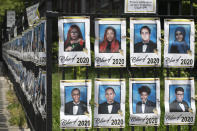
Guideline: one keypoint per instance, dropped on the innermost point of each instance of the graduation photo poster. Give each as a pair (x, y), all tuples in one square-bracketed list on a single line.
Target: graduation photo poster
[(42, 42), (74, 41), (109, 109), (110, 42), (25, 45), (145, 44), (144, 101), (32, 14), (35, 43), (179, 43), (42, 94), (75, 111), (140, 6), (29, 40), (179, 101)]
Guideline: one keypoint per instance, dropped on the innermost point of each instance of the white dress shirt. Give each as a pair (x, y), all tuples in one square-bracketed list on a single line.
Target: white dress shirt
[(182, 106), (143, 107), (110, 108), (144, 47), (75, 108)]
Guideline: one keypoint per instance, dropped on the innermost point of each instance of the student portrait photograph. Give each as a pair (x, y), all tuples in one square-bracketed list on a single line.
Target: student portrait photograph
[(75, 100), (74, 36), (179, 99), (42, 37), (35, 39), (143, 97), (109, 38), (145, 38), (109, 99), (179, 38)]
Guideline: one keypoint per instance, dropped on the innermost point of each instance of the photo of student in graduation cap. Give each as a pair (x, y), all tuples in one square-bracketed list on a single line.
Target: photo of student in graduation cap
[(76, 104), (110, 103), (181, 101), (145, 38), (179, 39)]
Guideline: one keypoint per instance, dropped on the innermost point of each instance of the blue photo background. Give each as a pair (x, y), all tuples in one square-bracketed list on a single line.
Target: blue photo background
[(136, 96), (101, 96), (83, 93), (102, 28), (153, 35), (36, 29), (187, 93), (29, 37), (43, 82), (66, 27), (42, 28), (172, 38), (24, 41)]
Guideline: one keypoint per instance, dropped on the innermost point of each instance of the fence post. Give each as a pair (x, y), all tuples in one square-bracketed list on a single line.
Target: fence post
[(49, 67)]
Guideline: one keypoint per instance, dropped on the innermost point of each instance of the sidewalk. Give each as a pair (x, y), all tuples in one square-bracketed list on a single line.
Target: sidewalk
[(4, 114)]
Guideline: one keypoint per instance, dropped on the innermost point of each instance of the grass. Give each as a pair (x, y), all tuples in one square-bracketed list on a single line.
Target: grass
[(92, 73), (17, 116)]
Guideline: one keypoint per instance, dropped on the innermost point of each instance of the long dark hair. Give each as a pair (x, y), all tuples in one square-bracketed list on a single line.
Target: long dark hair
[(105, 35), (114, 44), (69, 33)]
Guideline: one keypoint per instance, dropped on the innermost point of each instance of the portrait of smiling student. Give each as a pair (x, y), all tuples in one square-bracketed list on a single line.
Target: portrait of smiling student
[(110, 106), (75, 107), (179, 105), (146, 45), (145, 105), (109, 44), (179, 45)]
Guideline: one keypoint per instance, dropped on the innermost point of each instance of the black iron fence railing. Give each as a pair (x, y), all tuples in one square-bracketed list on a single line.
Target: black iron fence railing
[(94, 9)]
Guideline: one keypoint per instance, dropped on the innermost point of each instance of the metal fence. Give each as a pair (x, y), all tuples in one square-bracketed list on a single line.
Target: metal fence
[(93, 8), (113, 9), (35, 120)]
